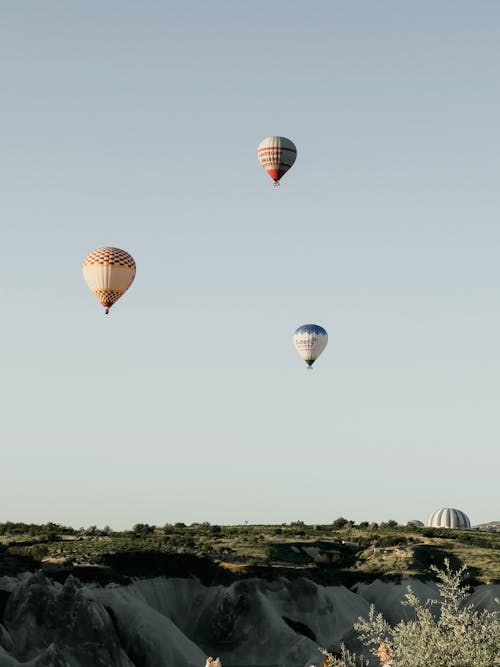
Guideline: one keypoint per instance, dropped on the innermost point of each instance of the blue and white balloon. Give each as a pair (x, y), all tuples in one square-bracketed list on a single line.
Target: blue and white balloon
[(310, 340)]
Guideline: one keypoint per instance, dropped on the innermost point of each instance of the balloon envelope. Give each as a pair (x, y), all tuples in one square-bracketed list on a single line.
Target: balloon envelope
[(277, 155), (310, 340), (109, 272)]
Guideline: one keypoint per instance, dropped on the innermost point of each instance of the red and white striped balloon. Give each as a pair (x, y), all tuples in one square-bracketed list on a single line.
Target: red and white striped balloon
[(277, 155)]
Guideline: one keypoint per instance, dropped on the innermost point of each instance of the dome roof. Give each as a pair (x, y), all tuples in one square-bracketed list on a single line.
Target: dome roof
[(448, 517), (414, 522)]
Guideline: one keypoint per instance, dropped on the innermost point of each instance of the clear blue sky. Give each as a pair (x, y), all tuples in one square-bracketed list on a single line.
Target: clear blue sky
[(136, 125)]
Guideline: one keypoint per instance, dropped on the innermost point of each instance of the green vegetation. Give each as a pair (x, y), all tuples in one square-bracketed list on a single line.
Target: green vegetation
[(340, 552), (440, 632)]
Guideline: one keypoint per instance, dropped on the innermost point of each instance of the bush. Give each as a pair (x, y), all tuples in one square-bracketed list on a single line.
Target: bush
[(346, 659), (143, 529), (38, 551), (443, 632)]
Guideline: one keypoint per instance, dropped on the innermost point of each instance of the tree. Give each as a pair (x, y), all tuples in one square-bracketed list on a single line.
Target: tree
[(38, 551), (143, 529), (443, 632)]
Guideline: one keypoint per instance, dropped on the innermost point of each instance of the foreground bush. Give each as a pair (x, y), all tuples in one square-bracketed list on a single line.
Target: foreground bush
[(444, 632)]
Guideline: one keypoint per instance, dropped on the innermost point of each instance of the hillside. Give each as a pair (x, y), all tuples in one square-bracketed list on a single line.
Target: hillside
[(490, 526), (339, 553)]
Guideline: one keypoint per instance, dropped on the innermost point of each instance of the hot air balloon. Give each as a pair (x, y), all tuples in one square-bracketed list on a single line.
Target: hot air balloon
[(310, 340), (109, 272), (277, 155)]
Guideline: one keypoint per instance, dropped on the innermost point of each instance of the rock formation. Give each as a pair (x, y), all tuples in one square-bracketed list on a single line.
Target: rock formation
[(172, 622)]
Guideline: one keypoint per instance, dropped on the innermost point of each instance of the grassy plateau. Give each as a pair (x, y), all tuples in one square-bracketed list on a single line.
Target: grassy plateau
[(341, 552)]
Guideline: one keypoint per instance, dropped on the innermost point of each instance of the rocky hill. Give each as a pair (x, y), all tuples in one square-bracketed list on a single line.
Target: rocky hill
[(177, 622), (260, 595)]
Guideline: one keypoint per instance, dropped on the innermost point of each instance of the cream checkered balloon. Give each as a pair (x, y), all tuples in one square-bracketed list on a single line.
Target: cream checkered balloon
[(109, 272)]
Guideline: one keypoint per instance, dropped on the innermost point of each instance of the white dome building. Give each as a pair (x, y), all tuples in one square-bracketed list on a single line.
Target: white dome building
[(448, 517), (415, 522)]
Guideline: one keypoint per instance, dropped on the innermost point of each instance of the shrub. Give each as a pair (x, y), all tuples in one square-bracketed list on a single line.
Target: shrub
[(391, 540), (143, 529), (38, 551), (346, 659), (443, 632)]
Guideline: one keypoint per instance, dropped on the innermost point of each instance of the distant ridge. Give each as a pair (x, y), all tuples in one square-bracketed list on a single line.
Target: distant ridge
[(491, 525)]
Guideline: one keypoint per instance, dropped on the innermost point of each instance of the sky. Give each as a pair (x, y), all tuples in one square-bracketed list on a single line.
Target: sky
[(136, 125)]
